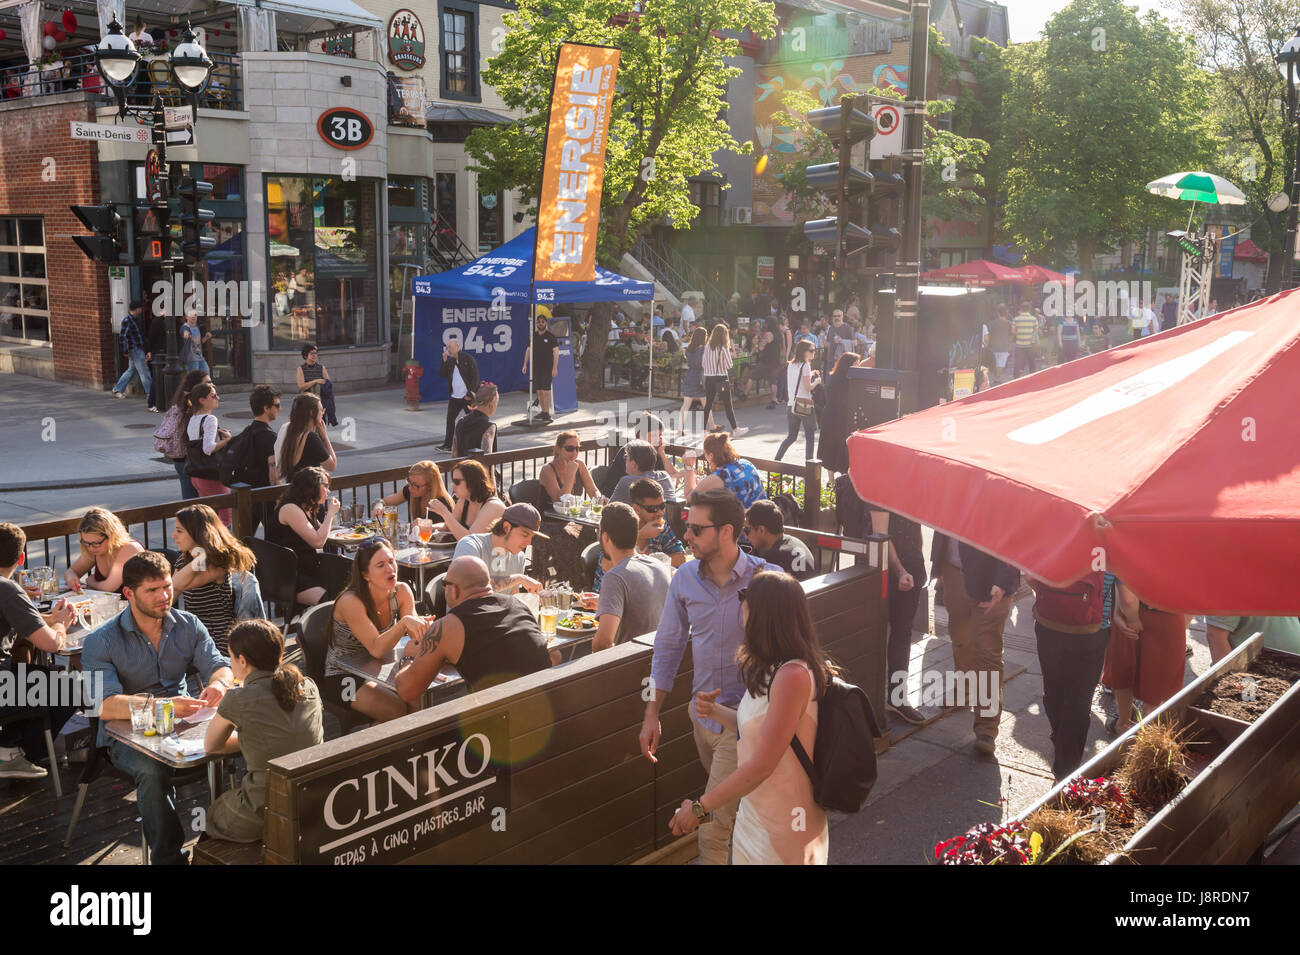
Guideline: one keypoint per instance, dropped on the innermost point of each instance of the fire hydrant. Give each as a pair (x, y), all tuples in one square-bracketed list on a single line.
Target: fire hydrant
[(413, 374)]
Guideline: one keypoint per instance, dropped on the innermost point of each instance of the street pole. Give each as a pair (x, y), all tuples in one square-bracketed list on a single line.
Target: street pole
[(907, 278), (1288, 263), (172, 370)]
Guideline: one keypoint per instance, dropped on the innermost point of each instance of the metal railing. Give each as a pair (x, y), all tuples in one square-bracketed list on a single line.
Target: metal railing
[(446, 248), (48, 541), (675, 273), (72, 73)]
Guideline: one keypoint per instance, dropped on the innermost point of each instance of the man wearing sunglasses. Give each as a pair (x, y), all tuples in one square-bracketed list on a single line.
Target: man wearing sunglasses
[(653, 536), (703, 607)]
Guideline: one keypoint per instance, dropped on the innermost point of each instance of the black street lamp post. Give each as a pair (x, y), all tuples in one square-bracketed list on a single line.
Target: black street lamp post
[(118, 62), (1288, 62)]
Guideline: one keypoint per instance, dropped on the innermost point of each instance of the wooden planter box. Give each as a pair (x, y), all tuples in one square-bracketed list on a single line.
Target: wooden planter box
[(1251, 781)]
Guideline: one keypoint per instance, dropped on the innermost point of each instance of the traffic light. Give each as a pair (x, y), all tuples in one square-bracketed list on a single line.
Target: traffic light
[(194, 244), (109, 242), (846, 125), (883, 214), (152, 235)]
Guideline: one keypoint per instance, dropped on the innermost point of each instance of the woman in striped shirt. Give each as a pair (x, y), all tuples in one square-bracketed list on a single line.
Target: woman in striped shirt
[(717, 372), (209, 555)]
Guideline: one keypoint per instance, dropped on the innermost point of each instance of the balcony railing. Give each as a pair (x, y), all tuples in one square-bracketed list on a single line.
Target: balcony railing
[(73, 73)]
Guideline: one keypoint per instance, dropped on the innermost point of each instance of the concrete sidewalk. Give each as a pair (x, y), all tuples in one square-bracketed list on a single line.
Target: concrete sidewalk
[(933, 785)]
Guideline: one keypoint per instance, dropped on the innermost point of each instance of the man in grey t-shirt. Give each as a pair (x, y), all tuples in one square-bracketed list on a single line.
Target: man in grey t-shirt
[(502, 548), (633, 591)]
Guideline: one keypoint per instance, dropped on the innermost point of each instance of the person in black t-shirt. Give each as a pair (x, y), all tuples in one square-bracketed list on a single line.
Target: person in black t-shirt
[(545, 356), (475, 429), (21, 622), (765, 528), (490, 638), (259, 456)]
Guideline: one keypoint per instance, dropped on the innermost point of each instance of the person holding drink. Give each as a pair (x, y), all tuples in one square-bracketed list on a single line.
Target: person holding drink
[(502, 548), (298, 525), (475, 506), (423, 487), (370, 617)]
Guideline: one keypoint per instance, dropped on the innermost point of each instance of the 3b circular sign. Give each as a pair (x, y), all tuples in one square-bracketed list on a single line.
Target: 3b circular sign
[(345, 128)]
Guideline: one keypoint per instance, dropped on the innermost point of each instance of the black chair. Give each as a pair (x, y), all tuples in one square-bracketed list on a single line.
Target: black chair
[(333, 570), (598, 474), (804, 558), (171, 553), (315, 646), (530, 491), (12, 715), (435, 594), (98, 763), (277, 576), (591, 556)]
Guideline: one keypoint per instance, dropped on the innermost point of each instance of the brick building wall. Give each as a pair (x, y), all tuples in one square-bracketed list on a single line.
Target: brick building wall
[(34, 132)]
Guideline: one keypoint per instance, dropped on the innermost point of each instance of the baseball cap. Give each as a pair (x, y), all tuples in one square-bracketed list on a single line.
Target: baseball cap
[(525, 515)]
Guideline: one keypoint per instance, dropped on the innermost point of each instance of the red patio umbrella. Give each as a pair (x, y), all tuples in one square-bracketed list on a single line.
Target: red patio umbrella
[(1174, 459), (980, 272), (1038, 275)]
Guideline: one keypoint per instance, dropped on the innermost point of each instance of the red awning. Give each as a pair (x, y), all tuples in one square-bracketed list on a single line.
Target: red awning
[(1248, 251), (1174, 459), (980, 272), (1038, 275)]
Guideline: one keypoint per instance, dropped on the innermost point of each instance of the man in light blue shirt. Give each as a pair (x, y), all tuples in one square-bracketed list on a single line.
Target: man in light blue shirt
[(148, 648), (703, 607)]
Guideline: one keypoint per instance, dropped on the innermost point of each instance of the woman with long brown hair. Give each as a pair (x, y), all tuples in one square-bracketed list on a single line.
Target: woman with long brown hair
[(304, 441), (475, 506), (274, 711), (785, 673), (717, 375), (169, 439), (298, 524), (836, 423), (371, 616), (105, 547), (209, 555), (423, 487)]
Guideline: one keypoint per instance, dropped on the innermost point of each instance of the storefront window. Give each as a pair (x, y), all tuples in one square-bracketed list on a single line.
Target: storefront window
[(227, 181), (323, 261), (24, 304), (445, 185), (403, 192)]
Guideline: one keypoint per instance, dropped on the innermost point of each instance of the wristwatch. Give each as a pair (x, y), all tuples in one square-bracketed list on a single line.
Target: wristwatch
[(698, 809)]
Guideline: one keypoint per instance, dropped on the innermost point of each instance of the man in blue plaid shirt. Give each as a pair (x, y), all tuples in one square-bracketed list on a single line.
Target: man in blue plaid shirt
[(136, 351)]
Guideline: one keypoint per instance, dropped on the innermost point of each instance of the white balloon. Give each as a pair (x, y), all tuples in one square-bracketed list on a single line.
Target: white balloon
[(49, 43)]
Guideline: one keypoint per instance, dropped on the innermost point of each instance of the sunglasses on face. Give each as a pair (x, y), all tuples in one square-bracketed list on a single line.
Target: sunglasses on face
[(653, 508), (572, 448), (698, 529), (457, 481)]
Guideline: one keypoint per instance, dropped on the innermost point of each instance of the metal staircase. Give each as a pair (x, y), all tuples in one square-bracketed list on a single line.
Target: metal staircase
[(446, 249), (675, 273)]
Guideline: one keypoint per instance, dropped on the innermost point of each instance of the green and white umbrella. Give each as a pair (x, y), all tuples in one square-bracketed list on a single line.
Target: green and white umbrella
[(1198, 187)]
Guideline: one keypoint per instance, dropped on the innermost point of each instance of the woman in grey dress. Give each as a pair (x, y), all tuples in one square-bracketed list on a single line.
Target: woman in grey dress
[(276, 711)]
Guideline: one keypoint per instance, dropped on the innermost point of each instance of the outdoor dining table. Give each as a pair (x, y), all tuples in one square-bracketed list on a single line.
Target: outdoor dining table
[(152, 746)]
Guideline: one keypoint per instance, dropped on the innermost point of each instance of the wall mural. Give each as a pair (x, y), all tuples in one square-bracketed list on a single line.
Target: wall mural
[(827, 80)]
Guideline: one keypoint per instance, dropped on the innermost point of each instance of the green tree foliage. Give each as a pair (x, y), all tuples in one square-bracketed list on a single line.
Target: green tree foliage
[(1095, 110), (1238, 42), (668, 119)]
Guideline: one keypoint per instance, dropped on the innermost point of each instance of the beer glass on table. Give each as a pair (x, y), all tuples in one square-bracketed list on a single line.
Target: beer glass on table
[(547, 614)]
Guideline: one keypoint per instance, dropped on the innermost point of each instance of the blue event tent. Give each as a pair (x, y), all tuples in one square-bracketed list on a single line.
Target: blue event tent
[(486, 305)]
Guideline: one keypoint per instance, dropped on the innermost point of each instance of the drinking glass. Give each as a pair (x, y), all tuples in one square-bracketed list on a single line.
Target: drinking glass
[(141, 713), (547, 614), (347, 515), (424, 527), (28, 580), (49, 581)]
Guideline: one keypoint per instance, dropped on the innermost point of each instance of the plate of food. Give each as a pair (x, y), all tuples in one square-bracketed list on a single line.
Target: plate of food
[(577, 622), (357, 534)]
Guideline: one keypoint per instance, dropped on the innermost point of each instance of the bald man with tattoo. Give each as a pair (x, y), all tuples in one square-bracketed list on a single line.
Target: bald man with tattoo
[(489, 637)]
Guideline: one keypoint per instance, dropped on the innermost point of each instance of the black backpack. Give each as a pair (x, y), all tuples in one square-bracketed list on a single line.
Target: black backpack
[(235, 462), (845, 768)]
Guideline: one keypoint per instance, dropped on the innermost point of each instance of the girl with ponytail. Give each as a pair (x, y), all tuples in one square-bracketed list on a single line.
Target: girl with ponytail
[(276, 711)]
